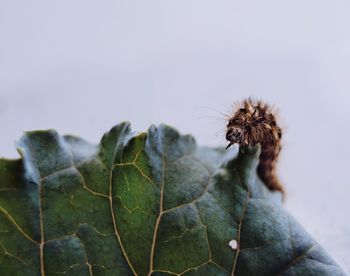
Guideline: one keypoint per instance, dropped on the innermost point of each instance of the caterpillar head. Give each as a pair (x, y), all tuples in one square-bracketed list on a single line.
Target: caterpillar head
[(234, 135), (253, 122)]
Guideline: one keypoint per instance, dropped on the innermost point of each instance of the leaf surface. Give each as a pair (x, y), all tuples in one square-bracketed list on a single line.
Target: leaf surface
[(152, 203)]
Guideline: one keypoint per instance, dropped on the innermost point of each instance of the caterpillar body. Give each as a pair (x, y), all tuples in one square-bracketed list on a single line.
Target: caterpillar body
[(254, 122)]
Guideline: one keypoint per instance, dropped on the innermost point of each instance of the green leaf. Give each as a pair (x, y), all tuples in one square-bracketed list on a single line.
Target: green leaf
[(145, 204)]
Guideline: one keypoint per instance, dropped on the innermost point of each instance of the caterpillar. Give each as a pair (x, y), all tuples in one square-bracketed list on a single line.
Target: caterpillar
[(254, 122)]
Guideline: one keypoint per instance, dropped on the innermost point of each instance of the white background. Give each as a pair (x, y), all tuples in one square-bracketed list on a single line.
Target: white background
[(83, 66)]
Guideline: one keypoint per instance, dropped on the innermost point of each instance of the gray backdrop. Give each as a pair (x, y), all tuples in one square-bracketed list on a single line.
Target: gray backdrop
[(82, 66)]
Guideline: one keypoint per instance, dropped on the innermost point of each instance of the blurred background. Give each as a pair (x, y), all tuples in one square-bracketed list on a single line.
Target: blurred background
[(81, 67)]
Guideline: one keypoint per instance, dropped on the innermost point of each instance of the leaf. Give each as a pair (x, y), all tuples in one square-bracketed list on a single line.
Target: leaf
[(147, 204)]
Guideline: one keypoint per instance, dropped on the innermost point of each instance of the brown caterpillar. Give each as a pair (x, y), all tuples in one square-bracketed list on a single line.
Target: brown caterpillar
[(254, 122)]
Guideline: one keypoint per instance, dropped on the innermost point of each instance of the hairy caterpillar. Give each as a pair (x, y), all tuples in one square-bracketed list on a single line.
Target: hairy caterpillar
[(254, 122)]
